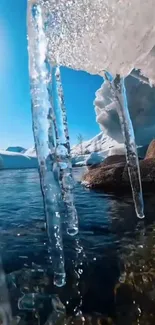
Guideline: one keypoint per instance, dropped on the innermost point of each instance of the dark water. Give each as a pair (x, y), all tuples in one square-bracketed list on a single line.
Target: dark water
[(107, 264)]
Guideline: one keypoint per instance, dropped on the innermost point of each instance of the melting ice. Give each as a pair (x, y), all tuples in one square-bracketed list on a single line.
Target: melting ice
[(52, 145), (94, 36)]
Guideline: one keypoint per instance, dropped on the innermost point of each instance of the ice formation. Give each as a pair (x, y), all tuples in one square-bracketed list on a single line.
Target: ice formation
[(99, 35), (118, 94), (141, 105), (63, 155), (52, 144), (94, 36)]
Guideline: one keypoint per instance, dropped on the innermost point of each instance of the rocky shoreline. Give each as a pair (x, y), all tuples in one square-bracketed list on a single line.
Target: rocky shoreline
[(112, 174)]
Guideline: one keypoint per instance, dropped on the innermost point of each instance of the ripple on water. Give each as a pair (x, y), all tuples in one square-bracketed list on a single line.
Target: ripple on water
[(112, 245)]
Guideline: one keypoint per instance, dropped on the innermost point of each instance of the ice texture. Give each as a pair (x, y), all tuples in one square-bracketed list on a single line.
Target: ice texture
[(99, 35), (141, 106), (118, 93), (45, 146), (63, 154)]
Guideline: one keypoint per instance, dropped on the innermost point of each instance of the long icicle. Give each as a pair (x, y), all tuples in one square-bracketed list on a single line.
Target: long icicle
[(119, 94), (44, 142), (59, 116), (63, 155)]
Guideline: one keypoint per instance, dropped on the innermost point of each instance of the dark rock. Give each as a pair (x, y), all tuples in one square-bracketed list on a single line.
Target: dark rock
[(115, 176), (109, 161), (94, 166), (105, 176), (114, 159)]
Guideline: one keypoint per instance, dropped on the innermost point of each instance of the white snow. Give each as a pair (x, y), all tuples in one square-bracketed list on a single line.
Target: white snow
[(115, 35), (30, 152), (100, 142), (105, 145), (141, 104), (95, 150)]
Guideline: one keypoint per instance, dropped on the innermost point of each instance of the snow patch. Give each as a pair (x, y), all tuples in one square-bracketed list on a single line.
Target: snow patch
[(141, 105), (100, 142)]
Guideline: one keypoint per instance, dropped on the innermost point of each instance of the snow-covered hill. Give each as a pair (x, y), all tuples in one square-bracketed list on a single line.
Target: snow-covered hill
[(100, 143), (93, 151), (98, 148)]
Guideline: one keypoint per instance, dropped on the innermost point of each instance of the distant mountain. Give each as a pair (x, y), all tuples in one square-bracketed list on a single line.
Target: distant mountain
[(93, 151), (100, 143), (96, 149)]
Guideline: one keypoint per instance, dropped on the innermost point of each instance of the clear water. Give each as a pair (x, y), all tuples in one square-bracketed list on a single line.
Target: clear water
[(112, 244)]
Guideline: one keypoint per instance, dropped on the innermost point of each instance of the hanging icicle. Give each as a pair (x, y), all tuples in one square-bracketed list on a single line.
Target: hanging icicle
[(119, 95), (63, 155), (45, 143)]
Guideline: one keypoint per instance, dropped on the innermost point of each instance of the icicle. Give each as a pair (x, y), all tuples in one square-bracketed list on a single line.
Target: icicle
[(119, 94), (59, 117), (63, 154), (44, 141)]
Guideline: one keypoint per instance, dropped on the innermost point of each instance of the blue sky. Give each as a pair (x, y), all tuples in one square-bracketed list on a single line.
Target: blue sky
[(15, 117)]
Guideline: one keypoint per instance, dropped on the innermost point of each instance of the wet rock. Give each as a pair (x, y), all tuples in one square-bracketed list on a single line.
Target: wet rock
[(94, 166), (104, 177), (114, 176), (111, 160), (151, 150), (114, 160)]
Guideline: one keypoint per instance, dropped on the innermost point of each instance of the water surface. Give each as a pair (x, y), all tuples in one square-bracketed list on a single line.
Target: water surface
[(111, 241)]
